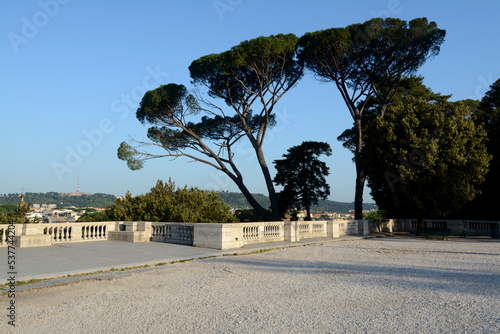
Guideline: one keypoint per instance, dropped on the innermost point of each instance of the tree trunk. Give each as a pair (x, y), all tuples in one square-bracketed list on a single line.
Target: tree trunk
[(307, 204), (251, 200), (360, 172), (275, 212), (308, 210)]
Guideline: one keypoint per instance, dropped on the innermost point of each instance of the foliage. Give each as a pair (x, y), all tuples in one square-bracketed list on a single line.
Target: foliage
[(375, 215), (8, 208), (369, 59), (303, 176), (95, 216), (250, 78), (248, 215), (488, 115), (166, 203), (16, 216), (424, 158), (409, 86)]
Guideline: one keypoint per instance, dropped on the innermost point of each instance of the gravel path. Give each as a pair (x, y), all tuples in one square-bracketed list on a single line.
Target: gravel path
[(387, 285)]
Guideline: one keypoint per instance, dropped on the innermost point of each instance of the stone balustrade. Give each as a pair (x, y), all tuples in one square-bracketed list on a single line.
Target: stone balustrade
[(33, 235), (223, 236), (457, 227), (176, 233)]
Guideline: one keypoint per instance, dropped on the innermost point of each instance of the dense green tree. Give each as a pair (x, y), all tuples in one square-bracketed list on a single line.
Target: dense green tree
[(16, 214), (248, 215), (8, 208), (374, 215), (488, 114), (250, 79), (95, 216), (166, 203), (369, 59), (303, 175), (425, 158), (409, 86)]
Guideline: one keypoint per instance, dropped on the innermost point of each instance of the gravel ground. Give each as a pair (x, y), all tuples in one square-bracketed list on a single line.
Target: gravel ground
[(386, 285)]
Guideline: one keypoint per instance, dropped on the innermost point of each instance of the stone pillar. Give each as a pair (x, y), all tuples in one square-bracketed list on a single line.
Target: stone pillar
[(363, 227), (130, 226), (390, 226), (291, 231), (335, 229), (30, 235)]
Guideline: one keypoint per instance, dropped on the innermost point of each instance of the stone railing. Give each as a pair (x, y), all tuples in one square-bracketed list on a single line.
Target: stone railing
[(219, 236), (457, 227), (176, 233), (223, 236), (33, 235), (241, 234), (36, 235)]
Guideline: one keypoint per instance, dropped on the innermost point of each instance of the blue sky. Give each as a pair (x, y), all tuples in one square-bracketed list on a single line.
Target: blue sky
[(72, 73)]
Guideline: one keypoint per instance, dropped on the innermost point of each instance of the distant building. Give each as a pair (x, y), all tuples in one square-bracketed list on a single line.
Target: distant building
[(77, 192), (22, 203), (59, 216)]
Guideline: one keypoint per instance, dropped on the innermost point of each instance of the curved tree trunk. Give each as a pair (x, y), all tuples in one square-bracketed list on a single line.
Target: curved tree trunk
[(249, 197), (275, 212)]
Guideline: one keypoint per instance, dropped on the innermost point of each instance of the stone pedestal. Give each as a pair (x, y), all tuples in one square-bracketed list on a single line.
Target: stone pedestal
[(292, 231)]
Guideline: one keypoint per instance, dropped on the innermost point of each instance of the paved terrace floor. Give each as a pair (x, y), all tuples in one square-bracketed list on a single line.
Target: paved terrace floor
[(86, 257)]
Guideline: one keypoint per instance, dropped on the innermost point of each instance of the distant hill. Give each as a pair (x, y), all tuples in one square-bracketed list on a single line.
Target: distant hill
[(83, 201), (238, 201), (233, 199)]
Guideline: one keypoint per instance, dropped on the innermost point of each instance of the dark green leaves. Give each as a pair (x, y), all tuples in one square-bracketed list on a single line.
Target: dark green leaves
[(166, 203), (374, 52), (424, 158), (303, 175), (129, 154), (166, 104), (255, 67)]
